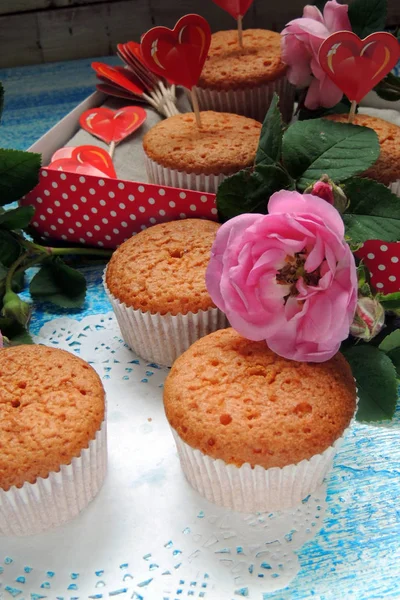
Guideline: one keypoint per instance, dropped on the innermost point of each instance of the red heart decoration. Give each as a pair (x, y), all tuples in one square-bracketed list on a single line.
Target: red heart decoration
[(355, 65), (111, 90), (110, 125), (89, 160), (178, 54), (236, 8), (118, 75), (70, 165)]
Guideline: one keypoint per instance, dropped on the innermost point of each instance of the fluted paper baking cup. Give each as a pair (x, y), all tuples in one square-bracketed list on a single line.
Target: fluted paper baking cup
[(51, 501), (250, 102), (254, 489), (160, 175), (162, 338), (395, 187)]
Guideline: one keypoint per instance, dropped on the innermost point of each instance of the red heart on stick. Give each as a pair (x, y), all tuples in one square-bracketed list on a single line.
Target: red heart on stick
[(88, 160), (119, 76), (355, 65), (236, 8), (110, 125), (178, 54)]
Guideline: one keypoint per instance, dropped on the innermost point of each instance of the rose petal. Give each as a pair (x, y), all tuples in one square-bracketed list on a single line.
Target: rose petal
[(306, 204)]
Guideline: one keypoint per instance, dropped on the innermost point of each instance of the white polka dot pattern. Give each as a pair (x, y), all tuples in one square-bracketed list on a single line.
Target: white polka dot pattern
[(105, 212), (383, 262)]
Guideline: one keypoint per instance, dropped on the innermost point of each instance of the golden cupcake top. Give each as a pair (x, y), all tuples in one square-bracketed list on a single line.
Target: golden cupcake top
[(235, 399), (162, 269), (228, 66), (226, 143), (386, 169), (51, 406)]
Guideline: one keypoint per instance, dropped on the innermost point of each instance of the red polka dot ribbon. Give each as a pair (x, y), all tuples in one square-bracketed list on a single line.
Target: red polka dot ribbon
[(383, 262), (106, 212)]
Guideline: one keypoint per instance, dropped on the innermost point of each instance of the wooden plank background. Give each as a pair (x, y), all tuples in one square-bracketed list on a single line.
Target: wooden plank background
[(36, 31)]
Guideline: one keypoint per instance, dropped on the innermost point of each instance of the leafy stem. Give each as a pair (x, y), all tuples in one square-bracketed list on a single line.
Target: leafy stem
[(50, 251), (12, 270)]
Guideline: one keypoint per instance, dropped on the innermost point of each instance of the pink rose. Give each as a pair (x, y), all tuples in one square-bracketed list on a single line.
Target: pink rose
[(287, 277), (301, 40)]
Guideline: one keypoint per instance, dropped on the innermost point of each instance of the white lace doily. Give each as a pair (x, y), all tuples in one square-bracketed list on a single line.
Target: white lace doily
[(148, 535)]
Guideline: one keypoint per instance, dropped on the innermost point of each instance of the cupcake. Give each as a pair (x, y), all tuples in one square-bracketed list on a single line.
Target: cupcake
[(156, 285), (52, 438), (256, 432), (386, 169), (244, 80), (179, 154)]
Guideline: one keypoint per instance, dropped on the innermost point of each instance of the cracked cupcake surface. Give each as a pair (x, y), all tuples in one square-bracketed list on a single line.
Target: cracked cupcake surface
[(52, 404), (235, 399), (162, 269)]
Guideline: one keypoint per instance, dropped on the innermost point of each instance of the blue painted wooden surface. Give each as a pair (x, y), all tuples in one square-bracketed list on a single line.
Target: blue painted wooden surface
[(357, 552)]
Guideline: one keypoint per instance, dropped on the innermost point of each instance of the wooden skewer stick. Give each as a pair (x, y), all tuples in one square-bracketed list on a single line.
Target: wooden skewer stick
[(352, 111), (240, 30), (111, 150), (196, 108)]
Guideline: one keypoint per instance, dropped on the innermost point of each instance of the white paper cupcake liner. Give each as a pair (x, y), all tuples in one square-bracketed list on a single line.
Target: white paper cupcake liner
[(251, 490), (395, 187), (249, 102), (162, 338), (61, 496), (160, 175)]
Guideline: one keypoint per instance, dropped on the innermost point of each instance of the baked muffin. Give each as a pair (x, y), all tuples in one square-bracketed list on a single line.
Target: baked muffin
[(243, 80), (156, 285), (255, 431), (52, 437), (179, 154), (386, 170)]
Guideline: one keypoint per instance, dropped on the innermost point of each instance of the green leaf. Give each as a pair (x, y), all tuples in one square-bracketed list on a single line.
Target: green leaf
[(19, 173), (1, 100), (373, 213), (390, 301), (60, 284), (394, 356), (342, 107), (10, 248), (270, 144), (17, 218), (341, 150), (376, 381), (389, 88), (391, 341), (15, 332), (367, 16), (368, 197), (247, 192), (361, 228)]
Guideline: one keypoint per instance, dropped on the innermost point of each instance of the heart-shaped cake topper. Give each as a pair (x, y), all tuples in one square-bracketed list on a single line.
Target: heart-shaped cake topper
[(356, 65), (236, 8), (178, 54), (118, 76), (87, 160), (110, 125)]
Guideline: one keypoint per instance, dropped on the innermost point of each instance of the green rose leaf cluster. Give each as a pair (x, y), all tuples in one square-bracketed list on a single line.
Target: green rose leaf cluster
[(295, 158)]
